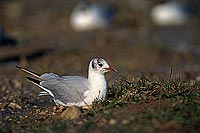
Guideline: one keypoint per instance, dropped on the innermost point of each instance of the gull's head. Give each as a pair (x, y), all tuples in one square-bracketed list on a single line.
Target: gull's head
[(100, 66)]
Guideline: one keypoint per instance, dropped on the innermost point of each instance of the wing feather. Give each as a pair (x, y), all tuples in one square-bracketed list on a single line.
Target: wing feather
[(67, 89)]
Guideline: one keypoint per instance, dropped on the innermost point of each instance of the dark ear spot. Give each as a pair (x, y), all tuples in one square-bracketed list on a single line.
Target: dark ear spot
[(93, 64)]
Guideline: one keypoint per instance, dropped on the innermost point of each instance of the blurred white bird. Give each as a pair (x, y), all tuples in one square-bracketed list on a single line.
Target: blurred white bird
[(89, 16), (74, 90), (172, 13)]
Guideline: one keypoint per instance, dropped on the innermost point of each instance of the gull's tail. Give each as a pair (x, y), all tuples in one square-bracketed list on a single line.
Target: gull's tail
[(29, 72), (37, 83)]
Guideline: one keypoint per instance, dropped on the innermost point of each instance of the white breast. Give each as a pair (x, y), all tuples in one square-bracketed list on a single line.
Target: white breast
[(98, 88)]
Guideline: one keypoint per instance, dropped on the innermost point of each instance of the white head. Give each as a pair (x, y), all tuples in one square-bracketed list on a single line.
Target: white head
[(100, 66)]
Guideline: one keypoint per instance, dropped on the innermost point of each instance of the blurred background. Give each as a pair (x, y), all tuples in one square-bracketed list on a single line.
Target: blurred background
[(135, 36)]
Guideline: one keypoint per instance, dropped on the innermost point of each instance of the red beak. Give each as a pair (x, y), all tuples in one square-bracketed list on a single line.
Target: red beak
[(111, 69)]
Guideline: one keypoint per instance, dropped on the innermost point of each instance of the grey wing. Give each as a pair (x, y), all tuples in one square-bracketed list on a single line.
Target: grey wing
[(67, 89)]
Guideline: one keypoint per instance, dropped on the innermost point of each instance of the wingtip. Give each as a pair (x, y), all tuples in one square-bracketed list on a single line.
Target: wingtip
[(18, 67), (29, 71), (29, 78), (33, 80)]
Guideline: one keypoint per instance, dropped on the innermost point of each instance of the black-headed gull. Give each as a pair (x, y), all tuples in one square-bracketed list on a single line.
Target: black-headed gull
[(74, 90), (89, 16)]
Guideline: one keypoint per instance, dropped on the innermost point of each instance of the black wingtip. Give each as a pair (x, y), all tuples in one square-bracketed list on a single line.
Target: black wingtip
[(29, 71), (33, 80), (18, 67)]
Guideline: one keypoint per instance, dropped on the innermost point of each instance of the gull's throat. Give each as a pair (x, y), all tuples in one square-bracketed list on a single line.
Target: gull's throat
[(98, 85)]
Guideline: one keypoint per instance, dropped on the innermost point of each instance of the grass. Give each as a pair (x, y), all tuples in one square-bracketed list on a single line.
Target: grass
[(144, 89), (172, 100), (142, 104)]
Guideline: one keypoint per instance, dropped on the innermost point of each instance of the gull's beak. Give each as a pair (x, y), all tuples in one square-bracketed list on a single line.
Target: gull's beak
[(111, 69)]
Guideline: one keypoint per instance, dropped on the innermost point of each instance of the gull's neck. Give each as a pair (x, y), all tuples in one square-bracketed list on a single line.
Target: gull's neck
[(97, 80), (98, 86)]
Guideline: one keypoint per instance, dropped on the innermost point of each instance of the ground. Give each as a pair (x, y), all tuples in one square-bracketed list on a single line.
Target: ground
[(156, 88)]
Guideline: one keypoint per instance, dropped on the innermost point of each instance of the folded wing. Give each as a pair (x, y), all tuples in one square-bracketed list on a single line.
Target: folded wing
[(67, 89)]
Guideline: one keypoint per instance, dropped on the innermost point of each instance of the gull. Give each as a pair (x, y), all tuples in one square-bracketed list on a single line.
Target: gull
[(173, 13), (74, 90), (89, 16)]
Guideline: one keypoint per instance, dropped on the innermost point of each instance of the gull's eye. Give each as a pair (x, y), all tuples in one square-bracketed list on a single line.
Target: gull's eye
[(100, 64)]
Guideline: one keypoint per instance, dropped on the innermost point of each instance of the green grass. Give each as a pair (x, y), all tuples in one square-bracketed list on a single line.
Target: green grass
[(144, 89)]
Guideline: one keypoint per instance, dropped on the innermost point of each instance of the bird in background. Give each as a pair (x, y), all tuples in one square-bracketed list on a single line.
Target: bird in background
[(89, 16), (173, 13), (74, 90)]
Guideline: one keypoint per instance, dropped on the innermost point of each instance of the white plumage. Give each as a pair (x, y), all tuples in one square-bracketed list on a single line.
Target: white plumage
[(169, 13), (89, 16)]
